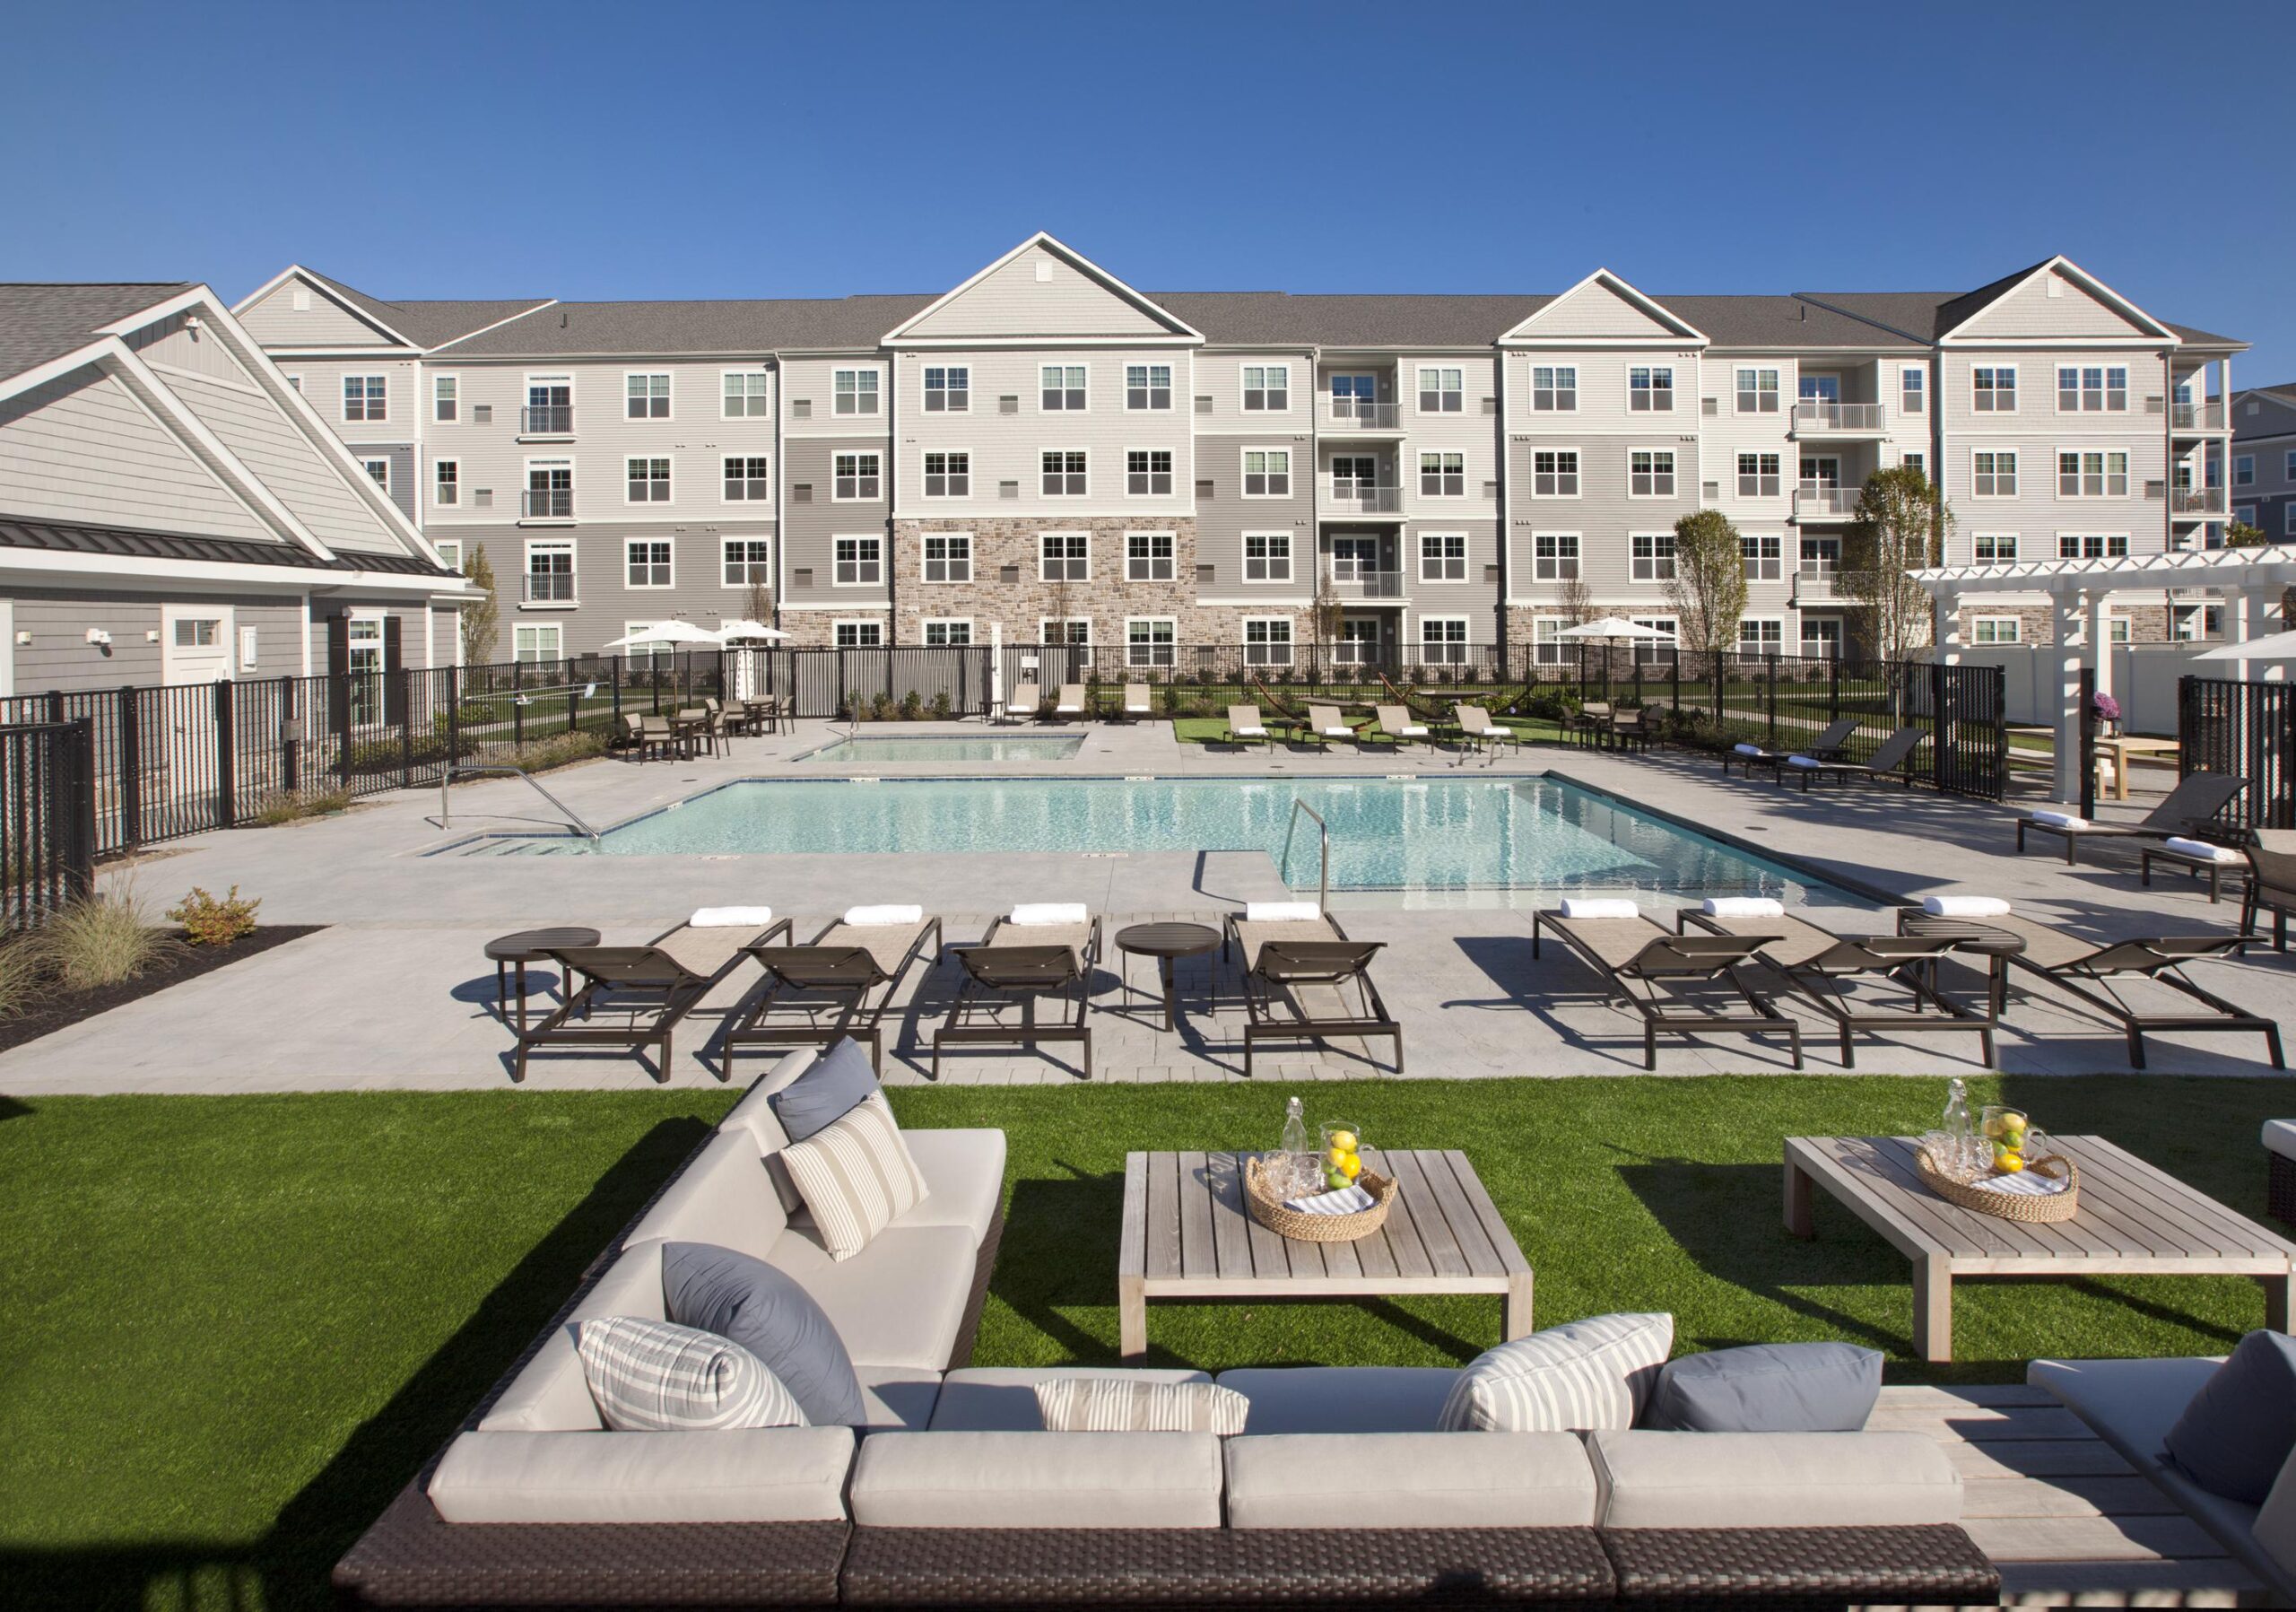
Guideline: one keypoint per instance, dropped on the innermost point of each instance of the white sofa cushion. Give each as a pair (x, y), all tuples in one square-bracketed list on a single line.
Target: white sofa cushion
[(1410, 1480), (1652, 1479), (899, 1301), (964, 1178), (856, 1175), (2280, 1137), (552, 1395), (1003, 1398), (1104, 1480), (725, 1197), (761, 1475), (1342, 1398), (896, 1398)]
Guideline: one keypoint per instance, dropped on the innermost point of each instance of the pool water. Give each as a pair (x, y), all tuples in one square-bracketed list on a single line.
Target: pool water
[(861, 751), (1412, 835)]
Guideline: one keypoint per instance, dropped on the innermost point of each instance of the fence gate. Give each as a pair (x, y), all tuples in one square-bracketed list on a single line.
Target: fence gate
[(2248, 730), (48, 819)]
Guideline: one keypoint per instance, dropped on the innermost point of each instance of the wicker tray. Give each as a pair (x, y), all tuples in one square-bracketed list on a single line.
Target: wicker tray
[(1268, 1208), (2008, 1206)]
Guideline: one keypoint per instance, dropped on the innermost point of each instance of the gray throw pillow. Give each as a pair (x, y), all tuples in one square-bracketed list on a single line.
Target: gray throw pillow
[(833, 1086), (762, 1309), (1768, 1387), (2237, 1432)]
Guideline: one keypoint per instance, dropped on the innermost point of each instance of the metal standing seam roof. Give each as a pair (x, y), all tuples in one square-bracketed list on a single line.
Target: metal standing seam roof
[(131, 543), (41, 320)]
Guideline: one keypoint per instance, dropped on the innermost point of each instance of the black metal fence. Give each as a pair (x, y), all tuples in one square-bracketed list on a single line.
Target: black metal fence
[(47, 841), (2247, 729)]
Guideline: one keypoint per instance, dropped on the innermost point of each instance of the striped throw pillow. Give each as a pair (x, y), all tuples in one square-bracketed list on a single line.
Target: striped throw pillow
[(855, 1176), (1127, 1405), (650, 1376), (1595, 1373)]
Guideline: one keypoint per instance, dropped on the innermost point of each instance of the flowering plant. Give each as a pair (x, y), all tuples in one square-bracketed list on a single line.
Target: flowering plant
[(2106, 708)]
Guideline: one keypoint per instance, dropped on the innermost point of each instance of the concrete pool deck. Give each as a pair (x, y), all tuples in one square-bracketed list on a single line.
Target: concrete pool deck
[(395, 994)]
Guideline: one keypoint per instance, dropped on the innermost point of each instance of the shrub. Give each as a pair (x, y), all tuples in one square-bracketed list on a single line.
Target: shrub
[(940, 705), (207, 922), (912, 709), (881, 709), (21, 975), (99, 941), (308, 803), (558, 751)]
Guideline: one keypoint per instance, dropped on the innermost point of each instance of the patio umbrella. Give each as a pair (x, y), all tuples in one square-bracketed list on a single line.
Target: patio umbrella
[(740, 631), (2277, 646), (1612, 627), (667, 632)]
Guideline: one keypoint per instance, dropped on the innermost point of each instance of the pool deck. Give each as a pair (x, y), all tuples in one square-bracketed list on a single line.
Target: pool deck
[(395, 994)]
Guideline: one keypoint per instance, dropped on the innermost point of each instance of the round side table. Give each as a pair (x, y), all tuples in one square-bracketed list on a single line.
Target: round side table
[(528, 946), (1166, 943)]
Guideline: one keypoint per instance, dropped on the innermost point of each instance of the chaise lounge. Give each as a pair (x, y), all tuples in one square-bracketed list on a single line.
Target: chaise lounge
[(1825, 747), (1888, 756), (2186, 812), (1039, 953), (1648, 968), (1304, 980), (629, 998), (838, 986)]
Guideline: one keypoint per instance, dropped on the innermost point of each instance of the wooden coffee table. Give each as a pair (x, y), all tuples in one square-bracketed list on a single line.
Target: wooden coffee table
[(1187, 1235), (2133, 1220)]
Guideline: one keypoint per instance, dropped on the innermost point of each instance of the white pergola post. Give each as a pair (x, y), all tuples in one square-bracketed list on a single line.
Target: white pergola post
[(1945, 608), (2069, 655), (2101, 638)]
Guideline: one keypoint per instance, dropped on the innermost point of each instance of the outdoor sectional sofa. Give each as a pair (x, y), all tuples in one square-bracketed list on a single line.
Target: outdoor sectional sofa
[(952, 1496)]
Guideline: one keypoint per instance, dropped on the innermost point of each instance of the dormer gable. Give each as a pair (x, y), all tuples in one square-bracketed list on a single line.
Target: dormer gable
[(2053, 301), (298, 308), (1042, 293), (1602, 311)]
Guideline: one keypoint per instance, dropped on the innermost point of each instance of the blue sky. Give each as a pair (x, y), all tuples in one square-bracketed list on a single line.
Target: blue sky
[(720, 150)]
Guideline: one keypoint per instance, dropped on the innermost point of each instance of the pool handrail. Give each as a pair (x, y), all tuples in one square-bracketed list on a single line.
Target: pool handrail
[(458, 769), (1323, 874)]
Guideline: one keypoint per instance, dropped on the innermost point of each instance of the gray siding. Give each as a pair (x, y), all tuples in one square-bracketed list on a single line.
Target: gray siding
[(275, 321), (172, 343), (810, 527), (1603, 515), (1012, 301), (82, 448), (60, 657), (1595, 310), (400, 456), (309, 483), (1224, 514)]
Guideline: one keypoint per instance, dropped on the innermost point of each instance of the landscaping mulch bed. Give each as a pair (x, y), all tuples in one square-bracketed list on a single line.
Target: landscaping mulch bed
[(65, 1008)]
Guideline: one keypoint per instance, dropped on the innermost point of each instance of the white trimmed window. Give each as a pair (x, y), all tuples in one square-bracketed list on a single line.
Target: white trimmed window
[(1442, 391), (1912, 460), (646, 397), (855, 477), (1765, 557), (2092, 389), (948, 474), (1149, 641), (1554, 556), (748, 479), (948, 389), (642, 656), (1763, 636), (1653, 556), (1554, 388), (1267, 473), (379, 471), (1148, 557), (1443, 640), (535, 642), (744, 395), (2244, 470), (451, 552), (445, 483), (1147, 471), (853, 391), (1994, 548), (1548, 644), (1993, 476), (947, 557), (859, 635), (646, 562), (1074, 631), (2287, 518), (1066, 473), (1759, 475), (746, 560), (1064, 557), (2092, 474), (2092, 545), (947, 634), (650, 480), (1267, 388), (1554, 473), (1442, 476), (1650, 389), (1148, 386), (1267, 556), (1442, 557), (365, 397), (1268, 640), (1821, 556), (446, 397), (1650, 473), (1913, 390), (860, 561), (1061, 388), (1757, 391), (550, 572), (1996, 630), (1993, 389)]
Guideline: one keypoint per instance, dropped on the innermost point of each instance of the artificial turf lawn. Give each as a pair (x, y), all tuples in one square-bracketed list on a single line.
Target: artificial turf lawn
[(236, 1326)]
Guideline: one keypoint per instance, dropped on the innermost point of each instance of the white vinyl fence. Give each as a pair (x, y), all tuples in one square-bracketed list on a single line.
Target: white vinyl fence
[(2143, 680)]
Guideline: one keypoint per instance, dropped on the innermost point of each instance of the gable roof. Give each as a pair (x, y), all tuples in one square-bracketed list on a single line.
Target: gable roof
[(427, 324), (41, 320), (765, 324), (1603, 279), (1932, 316), (1766, 321), (1343, 320), (1043, 240)]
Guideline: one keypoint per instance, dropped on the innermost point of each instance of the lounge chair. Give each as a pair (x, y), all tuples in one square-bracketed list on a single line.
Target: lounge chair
[(1026, 704), (1139, 702), (1821, 966), (1646, 966), (2196, 857), (1245, 725), (1304, 980), (1401, 726), (1825, 747), (1072, 701), (1889, 755), (643, 992), (2271, 883), (838, 985), (1036, 953), (1479, 732), (1327, 725), (2086, 969), (2186, 811)]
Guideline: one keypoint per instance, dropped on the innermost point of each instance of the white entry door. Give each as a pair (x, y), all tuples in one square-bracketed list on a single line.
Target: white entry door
[(195, 643)]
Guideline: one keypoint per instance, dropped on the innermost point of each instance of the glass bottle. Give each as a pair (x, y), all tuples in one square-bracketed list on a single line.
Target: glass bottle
[(1962, 1137), (1293, 1170)]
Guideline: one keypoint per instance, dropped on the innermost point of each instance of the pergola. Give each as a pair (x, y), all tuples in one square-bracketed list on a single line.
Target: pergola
[(2249, 580)]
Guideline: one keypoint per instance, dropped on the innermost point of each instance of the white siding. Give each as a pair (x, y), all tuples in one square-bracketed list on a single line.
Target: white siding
[(288, 463), (1012, 301), (2030, 311), (276, 322), (82, 448)]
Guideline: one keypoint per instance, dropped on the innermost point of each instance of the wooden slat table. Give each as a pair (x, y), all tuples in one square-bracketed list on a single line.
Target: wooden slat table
[(1186, 1235), (2133, 1220)]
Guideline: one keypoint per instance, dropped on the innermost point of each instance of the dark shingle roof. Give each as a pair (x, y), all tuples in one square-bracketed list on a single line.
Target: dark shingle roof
[(41, 321), (127, 542), (2202, 338), (1276, 317), (1760, 321), (428, 323), (740, 325)]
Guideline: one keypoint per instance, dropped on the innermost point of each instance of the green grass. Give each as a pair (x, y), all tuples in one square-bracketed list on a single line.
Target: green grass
[(238, 1325)]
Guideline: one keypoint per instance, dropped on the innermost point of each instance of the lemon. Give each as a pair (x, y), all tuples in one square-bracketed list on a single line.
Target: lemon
[(2010, 1163), (1338, 1156), (1343, 1141), (1352, 1167)]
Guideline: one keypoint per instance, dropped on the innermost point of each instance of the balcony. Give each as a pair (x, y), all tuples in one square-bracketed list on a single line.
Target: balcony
[(1814, 417), (2196, 504), (552, 419), (1817, 502), (1355, 583), (1815, 586), (1349, 495), (1355, 416), (2197, 417), (549, 588), (547, 503)]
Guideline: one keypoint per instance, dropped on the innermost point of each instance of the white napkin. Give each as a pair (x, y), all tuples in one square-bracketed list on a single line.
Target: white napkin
[(1964, 906), (729, 918), (1281, 912), (1747, 749), (1599, 906), (2060, 819), (2025, 1183), (864, 918), (1745, 906), (1803, 761), (1045, 914), (1347, 1200), (2201, 850)]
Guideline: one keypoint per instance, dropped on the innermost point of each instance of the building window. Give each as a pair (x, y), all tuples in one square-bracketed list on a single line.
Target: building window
[(1913, 390), (1442, 391), (1442, 557), (1268, 640), (948, 634), (746, 395), (748, 562), (1554, 556), (1355, 559), (853, 391), (948, 474), (445, 401), (550, 573), (948, 557), (647, 559), (1148, 556), (550, 490), (364, 397), (1821, 556), (2092, 389), (860, 635), (1354, 475), (1443, 640), (1650, 473), (855, 476), (2244, 470), (646, 397), (650, 480), (1993, 474), (1065, 472), (1996, 630), (532, 643), (748, 479), (1650, 389), (1915, 461), (2092, 545), (1994, 548), (1554, 388), (1548, 644), (1442, 476), (2288, 466), (1063, 388), (1765, 560), (451, 552), (1148, 641), (2092, 475), (1267, 473), (1554, 473), (1653, 556), (379, 471), (1148, 472), (550, 406), (1148, 386), (1758, 475), (447, 482), (860, 561), (1267, 556), (1757, 391), (1267, 388), (1760, 637), (1074, 632), (948, 389), (1064, 557), (1993, 389)]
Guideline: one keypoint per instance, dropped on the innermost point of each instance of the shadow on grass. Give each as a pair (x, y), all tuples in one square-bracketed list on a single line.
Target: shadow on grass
[(288, 1566)]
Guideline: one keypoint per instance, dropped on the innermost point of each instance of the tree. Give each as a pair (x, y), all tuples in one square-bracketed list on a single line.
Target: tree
[(1707, 591), (759, 602), (1900, 527), (2241, 535), (482, 617), (1576, 599), (1325, 615)]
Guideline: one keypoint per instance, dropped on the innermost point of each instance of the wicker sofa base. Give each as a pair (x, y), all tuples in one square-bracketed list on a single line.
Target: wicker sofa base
[(1799, 1569), (2280, 1188)]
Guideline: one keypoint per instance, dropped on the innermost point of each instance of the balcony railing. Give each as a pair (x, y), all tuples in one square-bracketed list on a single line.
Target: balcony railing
[(1358, 584), (2196, 500), (550, 587), (547, 503), (1361, 414), (552, 420), (2197, 416), (1815, 416), (1816, 501), (1346, 495), (1816, 587)]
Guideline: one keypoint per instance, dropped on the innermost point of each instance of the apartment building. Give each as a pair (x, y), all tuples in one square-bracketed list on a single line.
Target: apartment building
[(2263, 481), (1045, 453)]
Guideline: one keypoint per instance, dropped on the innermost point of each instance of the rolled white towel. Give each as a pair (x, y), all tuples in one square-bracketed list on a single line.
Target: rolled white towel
[(865, 918), (1599, 906), (1964, 906), (2060, 819), (1338, 733), (1804, 761), (2201, 851), (1250, 733), (729, 918), (1747, 749), (1347, 1200), (1044, 914), (1743, 906), (1411, 732), (1281, 912)]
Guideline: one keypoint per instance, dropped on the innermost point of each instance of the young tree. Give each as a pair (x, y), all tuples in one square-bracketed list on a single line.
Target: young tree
[(1576, 599), (1900, 527), (482, 617), (2241, 535), (1707, 591)]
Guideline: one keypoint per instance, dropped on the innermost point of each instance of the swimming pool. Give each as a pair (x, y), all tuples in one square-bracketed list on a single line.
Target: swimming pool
[(865, 750), (1418, 835)]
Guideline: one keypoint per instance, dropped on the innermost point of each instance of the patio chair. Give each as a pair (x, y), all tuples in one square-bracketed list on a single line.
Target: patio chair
[(1590, 722), (1304, 980), (1479, 732), (1027, 702), (2186, 812), (1033, 955), (1647, 967), (659, 734), (1325, 722), (2086, 970), (1821, 966), (1630, 729), (1139, 702), (1401, 726), (2271, 883), (1245, 725), (1072, 701), (838, 984), (1889, 755), (1825, 747), (645, 991)]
